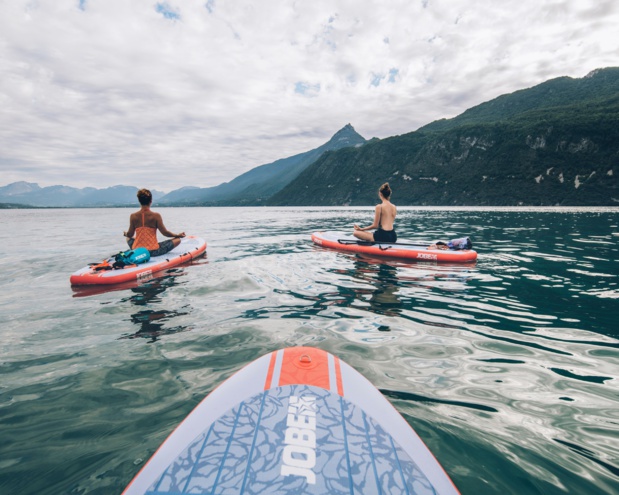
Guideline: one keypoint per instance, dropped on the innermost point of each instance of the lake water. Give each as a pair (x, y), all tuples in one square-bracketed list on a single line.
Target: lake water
[(508, 369)]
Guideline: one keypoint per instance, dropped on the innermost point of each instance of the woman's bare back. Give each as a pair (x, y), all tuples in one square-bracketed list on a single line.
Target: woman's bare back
[(388, 213)]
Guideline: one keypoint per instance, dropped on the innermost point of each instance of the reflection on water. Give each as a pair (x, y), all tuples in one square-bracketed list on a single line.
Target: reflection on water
[(420, 398), (151, 292), (152, 324), (390, 281), (148, 292), (507, 368), (382, 298)]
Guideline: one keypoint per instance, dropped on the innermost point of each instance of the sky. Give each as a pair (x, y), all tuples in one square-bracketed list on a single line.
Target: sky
[(166, 94)]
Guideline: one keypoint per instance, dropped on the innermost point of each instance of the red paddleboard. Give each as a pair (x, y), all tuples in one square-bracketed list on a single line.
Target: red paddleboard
[(401, 249), (189, 248)]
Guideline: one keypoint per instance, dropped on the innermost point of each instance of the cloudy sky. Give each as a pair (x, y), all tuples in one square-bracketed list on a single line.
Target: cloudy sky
[(195, 92)]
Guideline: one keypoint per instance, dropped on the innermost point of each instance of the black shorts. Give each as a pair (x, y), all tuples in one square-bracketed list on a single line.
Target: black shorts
[(385, 236), (164, 247)]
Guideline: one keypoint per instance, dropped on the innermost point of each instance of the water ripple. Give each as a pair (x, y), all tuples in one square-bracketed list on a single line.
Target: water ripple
[(507, 368)]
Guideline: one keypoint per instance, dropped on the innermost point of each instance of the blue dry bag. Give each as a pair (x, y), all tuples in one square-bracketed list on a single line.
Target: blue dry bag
[(131, 257)]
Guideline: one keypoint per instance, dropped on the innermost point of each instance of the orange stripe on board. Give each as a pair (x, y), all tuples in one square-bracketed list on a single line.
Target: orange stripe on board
[(338, 377), (267, 384), (306, 366)]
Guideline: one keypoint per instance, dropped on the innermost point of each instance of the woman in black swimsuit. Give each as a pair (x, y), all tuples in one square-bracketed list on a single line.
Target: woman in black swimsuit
[(384, 216)]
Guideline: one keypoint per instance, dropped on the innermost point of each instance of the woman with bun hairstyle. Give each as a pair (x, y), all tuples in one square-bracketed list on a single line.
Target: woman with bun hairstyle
[(384, 216), (143, 227)]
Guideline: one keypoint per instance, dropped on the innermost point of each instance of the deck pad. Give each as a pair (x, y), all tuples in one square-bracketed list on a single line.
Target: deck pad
[(314, 426)]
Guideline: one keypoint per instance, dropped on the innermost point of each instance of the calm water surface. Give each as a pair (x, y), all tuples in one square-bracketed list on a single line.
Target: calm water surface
[(508, 369)]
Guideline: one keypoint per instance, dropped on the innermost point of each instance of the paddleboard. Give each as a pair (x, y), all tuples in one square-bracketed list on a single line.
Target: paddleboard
[(189, 248), (401, 249), (295, 421)]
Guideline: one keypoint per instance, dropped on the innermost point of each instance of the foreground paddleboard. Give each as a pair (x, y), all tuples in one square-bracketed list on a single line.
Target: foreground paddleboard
[(296, 421), (189, 248), (402, 249)]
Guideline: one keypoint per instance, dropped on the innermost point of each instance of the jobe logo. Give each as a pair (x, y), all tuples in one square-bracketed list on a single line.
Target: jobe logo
[(425, 256), (145, 275), (299, 457)]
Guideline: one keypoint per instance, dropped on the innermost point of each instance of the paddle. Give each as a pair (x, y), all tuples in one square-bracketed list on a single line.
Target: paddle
[(368, 243)]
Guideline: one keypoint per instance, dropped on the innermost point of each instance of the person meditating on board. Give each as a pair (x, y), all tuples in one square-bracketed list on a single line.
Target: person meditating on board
[(384, 217), (144, 225)]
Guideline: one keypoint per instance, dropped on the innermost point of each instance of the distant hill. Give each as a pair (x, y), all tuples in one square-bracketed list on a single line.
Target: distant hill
[(554, 144), (13, 206), (31, 194), (256, 186)]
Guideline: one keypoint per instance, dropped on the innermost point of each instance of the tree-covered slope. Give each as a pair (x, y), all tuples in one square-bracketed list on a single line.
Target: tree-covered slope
[(520, 149), (599, 85)]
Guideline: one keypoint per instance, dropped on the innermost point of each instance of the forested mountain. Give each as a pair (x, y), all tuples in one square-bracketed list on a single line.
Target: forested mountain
[(554, 144), (260, 183)]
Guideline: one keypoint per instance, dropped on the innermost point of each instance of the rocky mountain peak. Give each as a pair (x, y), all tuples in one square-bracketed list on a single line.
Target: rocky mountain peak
[(346, 136)]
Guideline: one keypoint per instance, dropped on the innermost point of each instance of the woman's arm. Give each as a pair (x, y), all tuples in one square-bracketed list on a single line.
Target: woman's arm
[(165, 231), (131, 231), (374, 224)]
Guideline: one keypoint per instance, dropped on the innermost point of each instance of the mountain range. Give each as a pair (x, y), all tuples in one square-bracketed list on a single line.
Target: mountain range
[(251, 188), (556, 143), (31, 194)]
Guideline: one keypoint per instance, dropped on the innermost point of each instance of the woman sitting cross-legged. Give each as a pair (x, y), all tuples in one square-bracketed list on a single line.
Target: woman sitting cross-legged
[(384, 216)]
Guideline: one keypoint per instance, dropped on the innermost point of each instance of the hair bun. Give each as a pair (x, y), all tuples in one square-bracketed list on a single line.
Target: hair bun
[(385, 190)]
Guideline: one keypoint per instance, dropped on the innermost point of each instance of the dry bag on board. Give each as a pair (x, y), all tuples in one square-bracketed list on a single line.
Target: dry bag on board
[(131, 257)]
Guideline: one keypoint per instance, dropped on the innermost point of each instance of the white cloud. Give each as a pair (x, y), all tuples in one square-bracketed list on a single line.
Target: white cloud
[(172, 93)]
